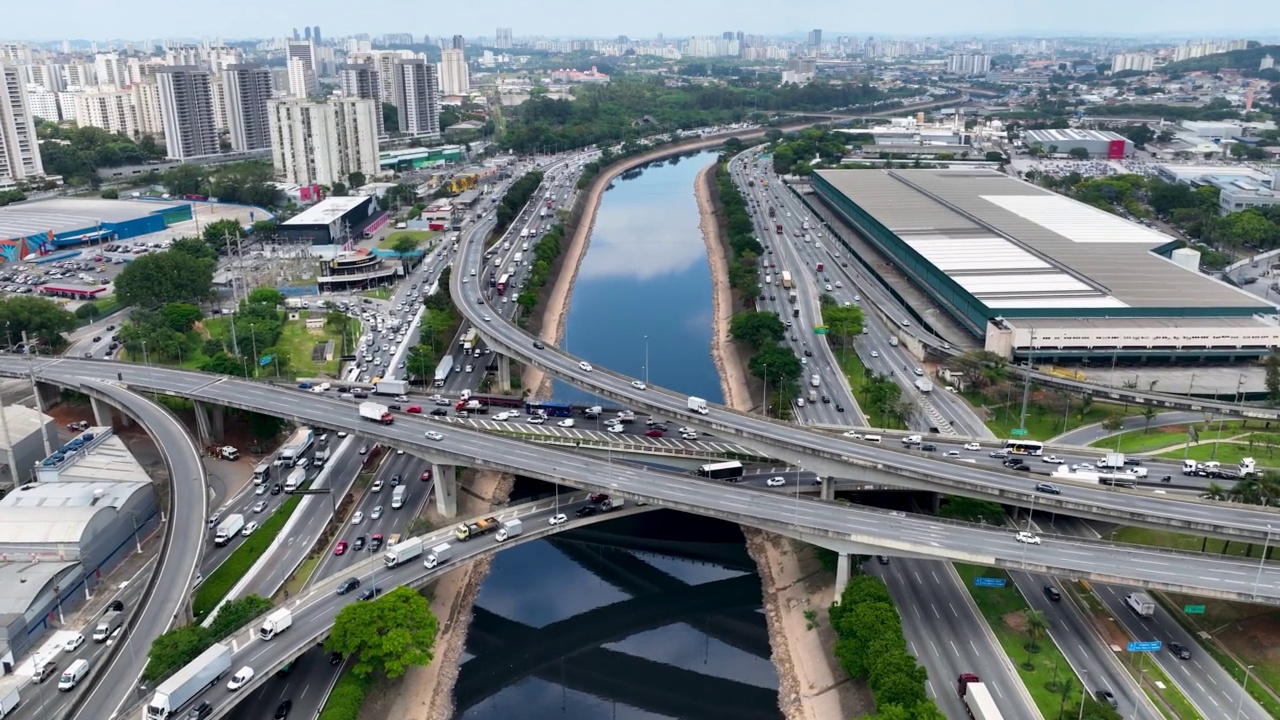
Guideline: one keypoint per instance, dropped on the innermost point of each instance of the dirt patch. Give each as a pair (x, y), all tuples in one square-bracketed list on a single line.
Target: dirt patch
[(1016, 621)]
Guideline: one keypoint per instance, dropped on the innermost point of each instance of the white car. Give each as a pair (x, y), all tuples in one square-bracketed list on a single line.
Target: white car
[(972, 446), (619, 428), (1079, 467), (638, 385), (513, 414), (951, 453), (73, 643), (558, 519), (566, 423), (778, 481), (241, 678), (584, 366), (376, 512), (689, 436), (376, 486), (853, 434), (1027, 537), (536, 420), (1051, 459), (249, 528), (687, 429), (501, 417), (875, 353), (260, 506), (433, 435), (357, 518), (260, 490), (488, 319)]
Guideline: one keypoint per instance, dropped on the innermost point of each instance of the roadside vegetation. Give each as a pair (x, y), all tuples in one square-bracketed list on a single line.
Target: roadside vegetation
[(179, 646), (241, 560)]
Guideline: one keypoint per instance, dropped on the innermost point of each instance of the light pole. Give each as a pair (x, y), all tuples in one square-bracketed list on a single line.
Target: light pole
[(1243, 687), (145, 357), (1261, 561), (646, 359), (1084, 690)]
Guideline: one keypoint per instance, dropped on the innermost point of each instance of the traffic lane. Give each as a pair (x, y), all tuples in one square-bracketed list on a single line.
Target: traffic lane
[(310, 669), (330, 563), (1095, 432)]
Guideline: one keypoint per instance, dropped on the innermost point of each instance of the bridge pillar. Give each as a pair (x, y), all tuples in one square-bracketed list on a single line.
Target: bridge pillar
[(101, 412), (446, 489), (828, 488), (208, 423), (47, 396), (504, 374), (842, 574)]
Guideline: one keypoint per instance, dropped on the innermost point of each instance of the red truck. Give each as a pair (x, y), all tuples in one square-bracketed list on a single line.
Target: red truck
[(820, 266), (778, 228)]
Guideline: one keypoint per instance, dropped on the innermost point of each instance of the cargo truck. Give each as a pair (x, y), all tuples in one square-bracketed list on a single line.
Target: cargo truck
[(321, 456), (9, 700), (1141, 604), (397, 497), (924, 385), (777, 228), (400, 553), (612, 503), (391, 387), (794, 297), (439, 555), (188, 682), (698, 405), (1114, 461), (376, 412), (893, 340), (443, 370), (229, 528), (297, 445), (227, 452), (977, 698), (786, 280), (276, 623), (466, 531), (295, 480), (510, 528), (108, 625)]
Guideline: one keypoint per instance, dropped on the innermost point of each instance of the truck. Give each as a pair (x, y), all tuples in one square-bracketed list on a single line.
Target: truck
[(400, 553), (772, 212), (109, 623), (786, 280), (612, 503), (1114, 461), (321, 456), (474, 406), (227, 452), (296, 478), (443, 370), (262, 473), (793, 297), (813, 396), (439, 555), (376, 412), (391, 387), (924, 385), (295, 303), (469, 339), (188, 682), (466, 531), (698, 405), (815, 380), (893, 340), (296, 446), (276, 623), (777, 228), (820, 266), (9, 699), (542, 213), (626, 417), (510, 528), (228, 529), (1141, 604), (517, 258), (398, 496), (977, 698), (805, 225)]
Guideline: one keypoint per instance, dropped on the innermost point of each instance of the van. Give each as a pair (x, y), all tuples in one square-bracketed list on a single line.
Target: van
[(871, 438), (813, 396), (74, 674)]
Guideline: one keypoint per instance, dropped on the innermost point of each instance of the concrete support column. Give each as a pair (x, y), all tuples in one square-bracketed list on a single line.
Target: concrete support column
[(47, 396), (446, 489), (828, 488), (203, 433), (504, 374), (101, 412), (217, 416), (842, 575)]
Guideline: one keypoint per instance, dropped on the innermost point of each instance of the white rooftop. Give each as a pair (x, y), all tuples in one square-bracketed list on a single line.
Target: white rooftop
[(22, 422), (327, 211)]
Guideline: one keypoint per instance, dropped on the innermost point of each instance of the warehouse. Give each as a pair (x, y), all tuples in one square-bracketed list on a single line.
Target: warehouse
[(330, 222), (1098, 143), (1033, 273)]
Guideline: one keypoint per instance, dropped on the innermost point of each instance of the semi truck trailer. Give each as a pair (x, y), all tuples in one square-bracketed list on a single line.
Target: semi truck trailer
[(188, 682)]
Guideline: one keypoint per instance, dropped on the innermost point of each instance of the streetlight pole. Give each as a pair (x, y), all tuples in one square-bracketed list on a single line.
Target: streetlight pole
[(1261, 562), (646, 359), (1084, 689), (1243, 686)]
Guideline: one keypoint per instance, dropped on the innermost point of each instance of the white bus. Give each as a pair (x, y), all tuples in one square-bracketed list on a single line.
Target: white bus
[(1024, 447)]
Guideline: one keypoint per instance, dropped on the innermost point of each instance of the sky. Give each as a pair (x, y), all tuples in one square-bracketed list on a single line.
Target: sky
[(242, 19)]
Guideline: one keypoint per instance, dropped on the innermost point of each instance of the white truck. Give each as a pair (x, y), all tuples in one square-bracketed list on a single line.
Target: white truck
[(977, 698), (443, 370), (295, 479), (510, 528), (297, 445), (397, 497), (893, 340), (376, 412), (815, 380), (1141, 604), (108, 625), (698, 405), (9, 699), (402, 552), (228, 529), (612, 503), (924, 385), (439, 555), (1114, 461), (391, 387), (188, 682), (276, 623)]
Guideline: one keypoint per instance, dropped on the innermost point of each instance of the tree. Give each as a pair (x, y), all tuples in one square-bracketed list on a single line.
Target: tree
[(387, 635), (757, 329), (186, 180), (174, 649), (88, 311), (221, 234), (777, 365), (404, 245), (1149, 413), (1273, 378), (1037, 626), (158, 278), (193, 247), (269, 296), (972, 510), (1140, 135), (180, 316), (222, 363), (235, 614), (844, 323), (1078, 153), (338, 189), (40, 318), (355, 179)]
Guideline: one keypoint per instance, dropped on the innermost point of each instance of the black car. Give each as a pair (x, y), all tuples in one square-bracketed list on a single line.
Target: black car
[(439, 412), (201, 711), (839, 407), (369, 594), (1108, 698), (335, 658), (826, 399), (537, 344), (1022, 468), (808, 353), (115, 606), (1052, 593), (586, 511), (394, 407), (348, 585), (358, 544), (277, 488), (1180, 651), (282, 711), (1013, 462), (882, 559), (928, 447)]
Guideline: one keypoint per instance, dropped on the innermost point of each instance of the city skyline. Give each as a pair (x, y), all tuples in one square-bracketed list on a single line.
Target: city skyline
[(87, 20)]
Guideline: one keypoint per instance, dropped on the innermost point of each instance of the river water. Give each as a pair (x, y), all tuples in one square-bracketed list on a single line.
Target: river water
[(647, 617)]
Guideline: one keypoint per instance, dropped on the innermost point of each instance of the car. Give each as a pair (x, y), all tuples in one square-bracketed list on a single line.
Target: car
[(566, 423), (1052, 593), (538, 345), (364, 449), (584, 366), (488, 319), (375, 542), (340, 548), (558, 519), (1082, 467), (951, 453), (376, 487), (200, 712), (1051, 459), (928, 447), (276, 488), (415, 409), (282, 711), (370, 593), (357, 518), (808, 353), (826, 399), (1049, 488), (777, 481), (249, 528), (426, 475), (999, 454), (586, 511), (1027, 537), (1022, 468), (375, 513), (395, 480), (1180, 651), (241, 678), (260, 506), (619, 428), (852, 434), (536, 420), (882, 559), (439, 412), (689, 435), (342, 434), (839, 407), (972, 446), (654, 433), (1106, 697), (433, 435), (73, 643), (358, 545), (638, 385), (1012, 462), (261, 489)]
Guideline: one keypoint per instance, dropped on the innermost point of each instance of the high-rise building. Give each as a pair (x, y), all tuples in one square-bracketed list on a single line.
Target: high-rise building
[(186, 107), (815, 37), (1142, 62), (454, 76), (42, 103), (306, 34), (112, 71), (360, 80), (248, 89), (146, 98), (969, 64), (19, 148), (417, 97), (296, 36), (323, 141), (302, 68), (315, 34), (107, 108), (459, 43), (502, 39)]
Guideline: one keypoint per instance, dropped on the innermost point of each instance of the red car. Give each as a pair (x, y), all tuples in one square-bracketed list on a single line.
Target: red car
[(415, 409), (654, 433), (340, 548), (426, 475), (599, 497)]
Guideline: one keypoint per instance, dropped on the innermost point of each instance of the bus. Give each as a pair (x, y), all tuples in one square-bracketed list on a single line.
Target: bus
[(502, 283), (1024, 447), (549, 408), (730, 471), (470, 339)]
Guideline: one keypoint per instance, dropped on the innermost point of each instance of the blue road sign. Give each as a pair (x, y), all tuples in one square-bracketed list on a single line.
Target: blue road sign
[(265, 360), (1150, 646), (988, 582)]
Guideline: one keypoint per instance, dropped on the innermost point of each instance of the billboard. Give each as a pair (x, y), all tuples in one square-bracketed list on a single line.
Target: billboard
[(1115, 149)]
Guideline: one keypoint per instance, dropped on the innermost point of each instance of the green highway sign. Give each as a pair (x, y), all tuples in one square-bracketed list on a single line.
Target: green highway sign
[(1018, 432), (820, 330), (1193, 609)]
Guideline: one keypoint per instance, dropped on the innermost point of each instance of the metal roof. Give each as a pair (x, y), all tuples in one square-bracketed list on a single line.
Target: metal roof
[(1043, 137), (328, 210), (71, 214), (1014, 245), (22, 582)]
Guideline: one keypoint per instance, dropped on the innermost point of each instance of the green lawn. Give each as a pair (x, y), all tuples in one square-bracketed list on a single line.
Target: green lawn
[(298, 341), (1190, 543), (220, 581), (853, 370), (381, 293), (1228, 453), (1041, 424), (1138, 441), (418, 236)]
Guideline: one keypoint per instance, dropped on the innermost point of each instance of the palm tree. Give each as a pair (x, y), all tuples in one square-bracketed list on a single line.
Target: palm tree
[(1214, 492), (1037, 626), (1149, 413)]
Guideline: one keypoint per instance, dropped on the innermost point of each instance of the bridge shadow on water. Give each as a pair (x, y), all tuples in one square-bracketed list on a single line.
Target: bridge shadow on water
[(653, 616)]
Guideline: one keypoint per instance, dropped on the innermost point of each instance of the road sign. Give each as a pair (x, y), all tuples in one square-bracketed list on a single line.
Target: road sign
[(1193, 609), (1018, 432), (264, 361), (988, 582), (1150, 646), (820, 330)]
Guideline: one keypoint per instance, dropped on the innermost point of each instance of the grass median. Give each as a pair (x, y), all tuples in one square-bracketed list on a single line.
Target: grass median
[(220, 581)]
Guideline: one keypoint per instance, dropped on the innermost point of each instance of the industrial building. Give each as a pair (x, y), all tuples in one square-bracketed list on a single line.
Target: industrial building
[(91, 505), (1033, 273), (25, 436), (1239, 187), (333, 221), (1098, 143), (31, 227)]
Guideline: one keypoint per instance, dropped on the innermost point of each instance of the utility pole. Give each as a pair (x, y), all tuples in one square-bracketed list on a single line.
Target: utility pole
[(1026, 385)]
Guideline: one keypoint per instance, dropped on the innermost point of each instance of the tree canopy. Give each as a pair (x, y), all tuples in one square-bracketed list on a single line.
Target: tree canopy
[(387, 635), (40, 318), (757, 329), (76, 153), (163, 277)]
